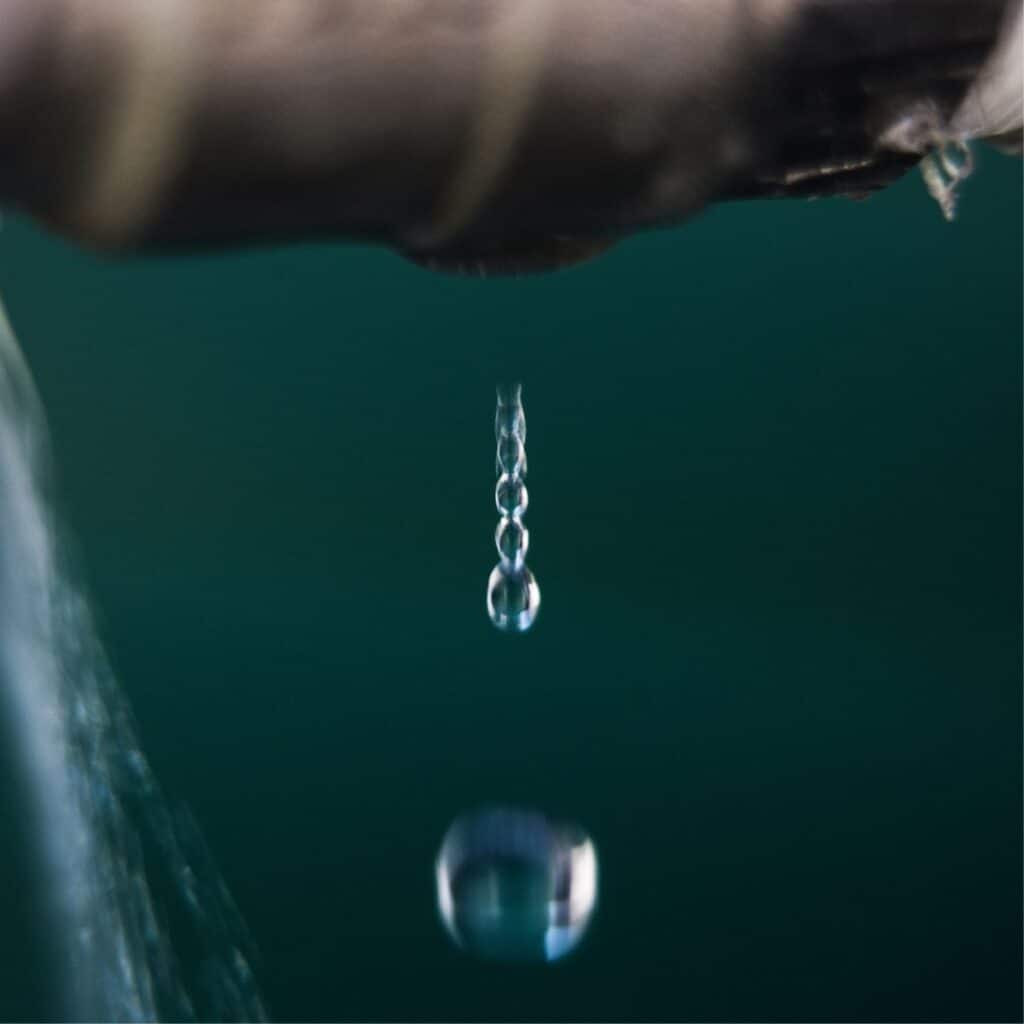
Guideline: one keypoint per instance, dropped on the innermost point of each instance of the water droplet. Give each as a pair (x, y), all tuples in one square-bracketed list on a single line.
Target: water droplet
[(510, 496), (513, 885), (513, 598), (512, 540)]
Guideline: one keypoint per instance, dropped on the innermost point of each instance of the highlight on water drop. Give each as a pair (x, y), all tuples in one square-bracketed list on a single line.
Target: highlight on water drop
[(513, 596), (513, 885)]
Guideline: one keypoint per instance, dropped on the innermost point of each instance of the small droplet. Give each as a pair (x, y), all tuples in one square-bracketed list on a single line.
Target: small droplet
[(513, 598), (512, 540), (512, 885), (511, 496)]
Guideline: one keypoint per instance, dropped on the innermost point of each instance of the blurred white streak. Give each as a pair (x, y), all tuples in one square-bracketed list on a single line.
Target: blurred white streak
[(117, 862)]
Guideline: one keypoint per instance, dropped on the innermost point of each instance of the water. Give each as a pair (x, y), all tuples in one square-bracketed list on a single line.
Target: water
[(119, 865), (944, 170), (513, 596), (512, 885)]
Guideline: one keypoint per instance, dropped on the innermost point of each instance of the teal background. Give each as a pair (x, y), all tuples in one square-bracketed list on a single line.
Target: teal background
[(775, 479)]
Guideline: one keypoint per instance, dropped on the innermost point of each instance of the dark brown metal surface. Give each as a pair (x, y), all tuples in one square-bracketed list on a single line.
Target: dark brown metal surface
[(349, 119)]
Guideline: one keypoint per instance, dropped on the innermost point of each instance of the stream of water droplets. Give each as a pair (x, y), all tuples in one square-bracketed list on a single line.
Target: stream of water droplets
[(513, 596)]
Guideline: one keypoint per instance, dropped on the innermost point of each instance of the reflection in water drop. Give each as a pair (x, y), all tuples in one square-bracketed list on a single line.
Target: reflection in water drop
[(513, 597), (512, 885)]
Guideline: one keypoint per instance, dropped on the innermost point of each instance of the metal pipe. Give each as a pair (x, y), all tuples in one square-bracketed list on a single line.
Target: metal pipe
[(491, 134)]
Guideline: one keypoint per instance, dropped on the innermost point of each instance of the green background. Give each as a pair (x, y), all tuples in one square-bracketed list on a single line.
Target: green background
[(775, 479)]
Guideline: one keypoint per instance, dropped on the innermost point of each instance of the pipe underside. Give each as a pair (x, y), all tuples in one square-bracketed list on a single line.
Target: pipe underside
[(499, 134)]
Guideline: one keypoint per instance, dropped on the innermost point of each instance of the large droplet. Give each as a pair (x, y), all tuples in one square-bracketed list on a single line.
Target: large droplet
[(513, 598), (512, 885)]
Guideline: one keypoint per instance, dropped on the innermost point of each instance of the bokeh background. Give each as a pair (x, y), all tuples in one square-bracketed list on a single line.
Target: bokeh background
[(775, 477)]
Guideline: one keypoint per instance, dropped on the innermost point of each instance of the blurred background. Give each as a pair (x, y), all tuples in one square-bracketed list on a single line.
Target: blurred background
[(775, 507)]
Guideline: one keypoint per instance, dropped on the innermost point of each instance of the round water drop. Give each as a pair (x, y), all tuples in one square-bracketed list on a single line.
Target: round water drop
[(513, 598), (513, 885), (513, 541), (510, 496)]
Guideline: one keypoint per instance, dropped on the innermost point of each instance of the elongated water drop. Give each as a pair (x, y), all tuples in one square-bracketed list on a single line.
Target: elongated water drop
[(513, 885), (513, 597)]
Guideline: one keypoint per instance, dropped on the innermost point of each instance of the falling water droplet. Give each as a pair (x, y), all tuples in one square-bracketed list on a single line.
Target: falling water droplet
[(513, 598), (512, 885)]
